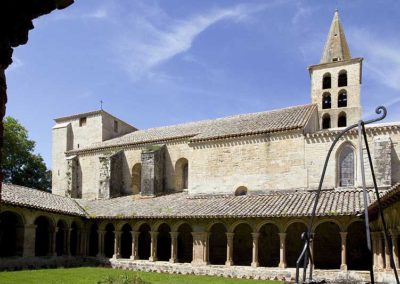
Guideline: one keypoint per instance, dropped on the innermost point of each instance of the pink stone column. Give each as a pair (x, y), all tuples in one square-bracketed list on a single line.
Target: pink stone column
[(343, 265), (282, 250), (135, 245), (153, 246), (117, 244), (174, 247), (229, 249), (254, 262)]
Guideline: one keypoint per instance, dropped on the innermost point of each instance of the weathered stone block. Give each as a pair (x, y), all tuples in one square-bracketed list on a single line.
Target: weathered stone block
[(152, 180)]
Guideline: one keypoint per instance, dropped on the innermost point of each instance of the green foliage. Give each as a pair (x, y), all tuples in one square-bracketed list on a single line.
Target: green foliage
[(21, 166), (123, 279)]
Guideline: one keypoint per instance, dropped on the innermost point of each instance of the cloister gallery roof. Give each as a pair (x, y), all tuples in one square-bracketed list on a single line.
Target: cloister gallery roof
[(181, 205), (232, 126)]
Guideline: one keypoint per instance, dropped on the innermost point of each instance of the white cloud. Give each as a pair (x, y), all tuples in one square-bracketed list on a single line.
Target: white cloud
[(100, 13), (150, 43), (382, 57), (17, 63)]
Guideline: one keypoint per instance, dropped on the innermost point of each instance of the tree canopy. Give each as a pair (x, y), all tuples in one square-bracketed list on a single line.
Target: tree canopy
[(21, 166)]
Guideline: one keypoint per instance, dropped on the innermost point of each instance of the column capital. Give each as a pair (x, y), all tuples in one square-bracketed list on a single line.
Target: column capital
[(255, 235), (135, 234), (282, 235), (174, 235), (229, 235), (30, 226), (153, 234), (343, 235), (118, 233)]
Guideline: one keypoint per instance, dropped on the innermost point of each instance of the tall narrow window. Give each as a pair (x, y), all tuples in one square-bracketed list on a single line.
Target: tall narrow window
[(326, 121), (346, 166), (185, 175), (342, 120), (342, 99), (342, 79), (136, 178), (181, 174), (82, 121), (326, 100), (115, 126), (326, 81)]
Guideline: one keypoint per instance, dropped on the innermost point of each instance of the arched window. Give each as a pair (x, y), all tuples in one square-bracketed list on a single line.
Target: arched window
[(342, 99), (181, 174), (241, 190), (326, 81), (326, 100), (342, 120), (136, 178), (342, 79), (326, 121), (346, 166)]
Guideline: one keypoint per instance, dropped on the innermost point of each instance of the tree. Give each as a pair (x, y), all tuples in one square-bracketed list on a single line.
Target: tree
[(21, 166)]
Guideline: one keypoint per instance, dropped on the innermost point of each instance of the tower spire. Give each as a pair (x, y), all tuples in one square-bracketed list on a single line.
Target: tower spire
[(336, 48)]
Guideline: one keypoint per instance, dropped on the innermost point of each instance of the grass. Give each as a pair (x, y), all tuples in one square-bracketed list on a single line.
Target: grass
[(94, 275)]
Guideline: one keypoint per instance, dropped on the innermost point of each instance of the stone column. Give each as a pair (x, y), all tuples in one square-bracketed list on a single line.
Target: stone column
[(343, 265), (375, 249), (282, 250), (395, 237), (67, 250), (229, 249), (29, 240), (52, 241), (388, 265), (200, 246), (117, 244), (100, 252), (153, 246), (174, 247), (254, 262), (381, 258), (135, 245)]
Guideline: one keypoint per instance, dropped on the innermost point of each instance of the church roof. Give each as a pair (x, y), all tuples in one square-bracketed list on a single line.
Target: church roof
[(232, 126), (336, 47), (33, 198), (387, 198), (337, 202)]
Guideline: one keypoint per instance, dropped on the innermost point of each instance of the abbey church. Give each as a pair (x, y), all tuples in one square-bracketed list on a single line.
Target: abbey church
[(229, 196)]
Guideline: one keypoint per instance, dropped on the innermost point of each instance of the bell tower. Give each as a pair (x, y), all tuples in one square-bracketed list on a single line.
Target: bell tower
[(336, 81)]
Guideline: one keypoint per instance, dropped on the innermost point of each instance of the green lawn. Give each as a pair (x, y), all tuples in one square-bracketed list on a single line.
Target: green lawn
[(93, 275)]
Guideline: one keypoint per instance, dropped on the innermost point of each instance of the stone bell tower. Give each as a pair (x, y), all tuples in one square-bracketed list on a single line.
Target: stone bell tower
[(336, 81)]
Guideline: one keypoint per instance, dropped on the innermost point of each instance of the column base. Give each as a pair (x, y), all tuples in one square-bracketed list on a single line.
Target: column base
[(282, 265), (153, 258), (199, 262), (133, 257), (343, 267), (115, 256), (255, 264), (173, 260), (229, 263)]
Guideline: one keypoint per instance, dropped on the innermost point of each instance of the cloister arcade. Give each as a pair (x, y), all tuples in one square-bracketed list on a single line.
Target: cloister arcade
[(339, 243)]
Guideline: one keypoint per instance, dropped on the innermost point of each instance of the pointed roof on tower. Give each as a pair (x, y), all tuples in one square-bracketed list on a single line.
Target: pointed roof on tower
[(336, 48)]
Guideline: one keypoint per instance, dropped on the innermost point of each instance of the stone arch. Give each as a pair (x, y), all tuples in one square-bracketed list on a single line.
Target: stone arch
[(294, 243), (358, 257), (326, 121), (342, 78), (126, 241), (109, 236), (11, 234), (136, 178), (346, 165), (93, 240), (342, 99), (144, 241), (74, 239), (61, 234), (326, 81), (326, 100), (217, 243), (237, 223), (185, 243), (164, 242), (268, 245), (327, 245), (242, 244), (342, 119), (261, 224), (241, 190), (44, 230), (181, 174)]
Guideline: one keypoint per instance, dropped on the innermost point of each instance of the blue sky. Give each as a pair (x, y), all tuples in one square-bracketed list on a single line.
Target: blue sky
[(156, 63)]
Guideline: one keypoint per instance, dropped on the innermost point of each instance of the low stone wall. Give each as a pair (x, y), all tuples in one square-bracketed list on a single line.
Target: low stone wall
[(246, 272), (24, 263)]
